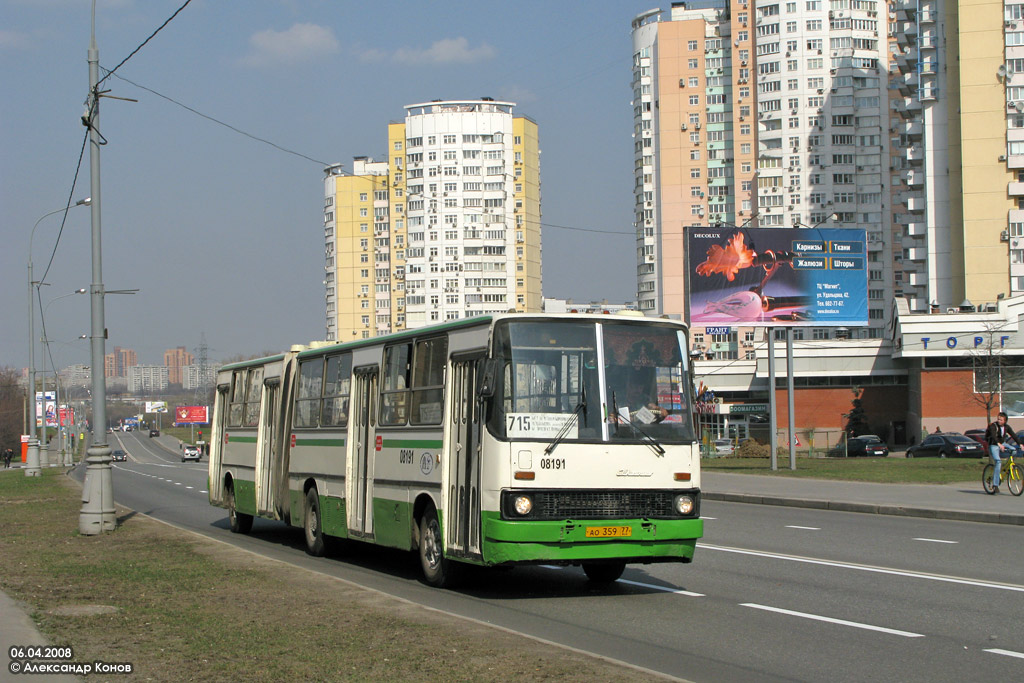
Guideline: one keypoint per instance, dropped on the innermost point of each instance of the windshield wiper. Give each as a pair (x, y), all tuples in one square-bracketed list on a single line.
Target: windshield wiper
[(564, 431), (648, 440)]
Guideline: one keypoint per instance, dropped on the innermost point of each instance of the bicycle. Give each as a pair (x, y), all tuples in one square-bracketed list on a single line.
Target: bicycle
[(1010, 472)]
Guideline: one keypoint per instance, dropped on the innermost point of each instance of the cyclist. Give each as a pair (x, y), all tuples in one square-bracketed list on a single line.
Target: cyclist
[(997, 433)]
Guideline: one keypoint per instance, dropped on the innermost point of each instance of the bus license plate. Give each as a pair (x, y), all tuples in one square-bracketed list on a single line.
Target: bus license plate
[(608, 531)]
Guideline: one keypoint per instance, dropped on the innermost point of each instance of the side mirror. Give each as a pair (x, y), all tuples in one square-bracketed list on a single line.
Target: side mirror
[(487, 379)]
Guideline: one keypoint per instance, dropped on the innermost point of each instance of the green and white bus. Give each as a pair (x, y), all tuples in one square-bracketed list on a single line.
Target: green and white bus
[(495, 440)]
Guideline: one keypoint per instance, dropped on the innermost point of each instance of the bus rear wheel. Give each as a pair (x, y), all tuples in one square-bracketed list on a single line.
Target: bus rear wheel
[(313, 525), (604, 572), (437, 570), (239, 522)]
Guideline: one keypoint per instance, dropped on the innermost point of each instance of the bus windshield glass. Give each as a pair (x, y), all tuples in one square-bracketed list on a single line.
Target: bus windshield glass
[(587, 381)]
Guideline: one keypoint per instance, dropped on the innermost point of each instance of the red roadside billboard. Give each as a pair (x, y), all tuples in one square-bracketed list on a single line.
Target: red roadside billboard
[(192, 415)]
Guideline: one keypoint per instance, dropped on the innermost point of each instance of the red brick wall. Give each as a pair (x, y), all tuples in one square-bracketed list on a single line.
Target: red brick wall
[(822, 408), (948, 393)]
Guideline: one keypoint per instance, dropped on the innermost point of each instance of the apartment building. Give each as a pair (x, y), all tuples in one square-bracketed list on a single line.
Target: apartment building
[(147, 378), (447, 227), (759, 114), (117, 362), (176, 360)]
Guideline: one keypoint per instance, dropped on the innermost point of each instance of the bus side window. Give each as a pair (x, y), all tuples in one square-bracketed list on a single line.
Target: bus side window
[(394, 395)]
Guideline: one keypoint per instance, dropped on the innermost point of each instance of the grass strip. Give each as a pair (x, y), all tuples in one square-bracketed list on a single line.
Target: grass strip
[(182, 607), (881, 470)]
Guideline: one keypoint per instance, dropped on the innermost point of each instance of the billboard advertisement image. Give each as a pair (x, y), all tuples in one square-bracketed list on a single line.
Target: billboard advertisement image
[(184, 415), (783, 277)]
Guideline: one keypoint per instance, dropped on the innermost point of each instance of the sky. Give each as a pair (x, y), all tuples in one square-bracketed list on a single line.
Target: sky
[(212, 181)]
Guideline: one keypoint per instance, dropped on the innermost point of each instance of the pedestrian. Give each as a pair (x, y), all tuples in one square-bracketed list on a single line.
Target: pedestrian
[(8, 454), (938, 430), (997, 433)]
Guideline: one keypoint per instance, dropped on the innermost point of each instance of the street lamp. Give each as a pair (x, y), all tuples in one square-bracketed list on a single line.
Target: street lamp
[(44, 455), (32, 456)]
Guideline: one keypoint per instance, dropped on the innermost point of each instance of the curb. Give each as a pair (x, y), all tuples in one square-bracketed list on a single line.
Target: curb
[(869, 508)]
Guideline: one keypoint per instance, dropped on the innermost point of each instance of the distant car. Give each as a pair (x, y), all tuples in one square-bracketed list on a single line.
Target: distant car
[(723, 447), (947, 445), (976, 434), (118, 455), (154, 432), (866, 444), (191, 453)]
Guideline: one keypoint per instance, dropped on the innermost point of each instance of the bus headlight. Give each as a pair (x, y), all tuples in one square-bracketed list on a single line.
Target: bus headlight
[(684, 504), (522, 504)]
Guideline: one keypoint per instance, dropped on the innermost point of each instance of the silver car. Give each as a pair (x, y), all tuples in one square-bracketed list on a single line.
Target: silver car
[(191, 453)]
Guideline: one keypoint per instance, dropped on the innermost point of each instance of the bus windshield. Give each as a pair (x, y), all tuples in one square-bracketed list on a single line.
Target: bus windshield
[(588, 381)]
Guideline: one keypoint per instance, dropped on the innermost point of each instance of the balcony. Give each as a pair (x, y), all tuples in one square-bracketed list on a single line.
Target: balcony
[(915, 204), (912, 129), (916, 254), (917, 279), (913, 178), (1016, 189), (916, 229), (915, 153)]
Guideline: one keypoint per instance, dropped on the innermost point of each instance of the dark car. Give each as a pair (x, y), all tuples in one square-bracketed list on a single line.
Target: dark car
[(976, 434), (154, 432), (866, 444), (947, 445), (118, 455)]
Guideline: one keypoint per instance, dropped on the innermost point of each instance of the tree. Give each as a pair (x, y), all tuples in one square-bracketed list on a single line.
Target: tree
[(12, 409), (994, 372), (856, 419)]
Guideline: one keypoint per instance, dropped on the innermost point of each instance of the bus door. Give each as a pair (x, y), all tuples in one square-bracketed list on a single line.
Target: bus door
[(360, 479), (220, 415), (462, 504), (266, 440)]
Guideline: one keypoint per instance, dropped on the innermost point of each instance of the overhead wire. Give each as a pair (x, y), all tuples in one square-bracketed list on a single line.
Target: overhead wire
[(143, 44)]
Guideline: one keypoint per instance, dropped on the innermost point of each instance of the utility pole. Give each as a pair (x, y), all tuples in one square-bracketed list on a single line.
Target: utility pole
[(97, 514)]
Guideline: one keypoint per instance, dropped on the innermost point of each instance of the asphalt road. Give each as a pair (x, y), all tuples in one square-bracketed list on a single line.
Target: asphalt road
[(774, 593)]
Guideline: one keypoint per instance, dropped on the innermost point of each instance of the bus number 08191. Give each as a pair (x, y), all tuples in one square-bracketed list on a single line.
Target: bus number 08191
[(552, 463)]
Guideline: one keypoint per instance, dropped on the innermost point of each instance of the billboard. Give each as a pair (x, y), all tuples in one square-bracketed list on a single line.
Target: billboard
[(156, 406), (777, 277), (191, 414), (46, 404)]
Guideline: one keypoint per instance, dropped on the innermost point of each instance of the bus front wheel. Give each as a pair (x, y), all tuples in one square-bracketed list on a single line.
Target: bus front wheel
[(314, 525), (603, 572), (437, 570), (239, 522)]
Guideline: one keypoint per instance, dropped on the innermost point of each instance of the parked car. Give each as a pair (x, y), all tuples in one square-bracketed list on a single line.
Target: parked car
[(191, 453), (118, 455), (976, 434), (723, 447), (154, 432), (946, 445), (855, 446)]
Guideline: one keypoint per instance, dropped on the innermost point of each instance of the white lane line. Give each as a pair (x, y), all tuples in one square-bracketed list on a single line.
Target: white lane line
[(808, 528), (841, 622), (204, 492), (177, 483), (867, 568), (1008, 653), (666, 589), (935, 540)]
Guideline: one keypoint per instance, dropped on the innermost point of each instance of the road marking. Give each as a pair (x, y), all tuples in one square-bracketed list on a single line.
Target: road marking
[(709, 517), (868, 568), (204, 492), (188, 487), (935, 540), (808, 528), (666, 589), (841, 622), (1008, 653), (177, 483)]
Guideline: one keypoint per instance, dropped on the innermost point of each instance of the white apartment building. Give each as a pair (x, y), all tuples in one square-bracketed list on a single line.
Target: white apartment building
[(447, 228), (767, 114), (147, 378)]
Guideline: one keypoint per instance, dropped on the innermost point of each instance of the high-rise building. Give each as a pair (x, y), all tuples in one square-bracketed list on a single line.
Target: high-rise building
[(176, 359), (147, 378), (958, 103), (117, 362), (447, 227), (766, 114)]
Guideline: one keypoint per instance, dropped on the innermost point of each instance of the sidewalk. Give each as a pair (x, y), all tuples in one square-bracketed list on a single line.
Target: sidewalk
[(965, 501)]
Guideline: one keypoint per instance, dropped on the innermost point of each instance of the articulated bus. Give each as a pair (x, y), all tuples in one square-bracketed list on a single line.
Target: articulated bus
[(495, 440)]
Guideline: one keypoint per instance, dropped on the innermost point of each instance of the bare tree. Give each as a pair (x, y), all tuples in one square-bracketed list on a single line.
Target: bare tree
[(995, 372), (12, 409)]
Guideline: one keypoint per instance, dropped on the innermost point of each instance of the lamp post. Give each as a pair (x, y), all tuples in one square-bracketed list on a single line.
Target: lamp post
[(32, 456), (97, 514), (44, 457)]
